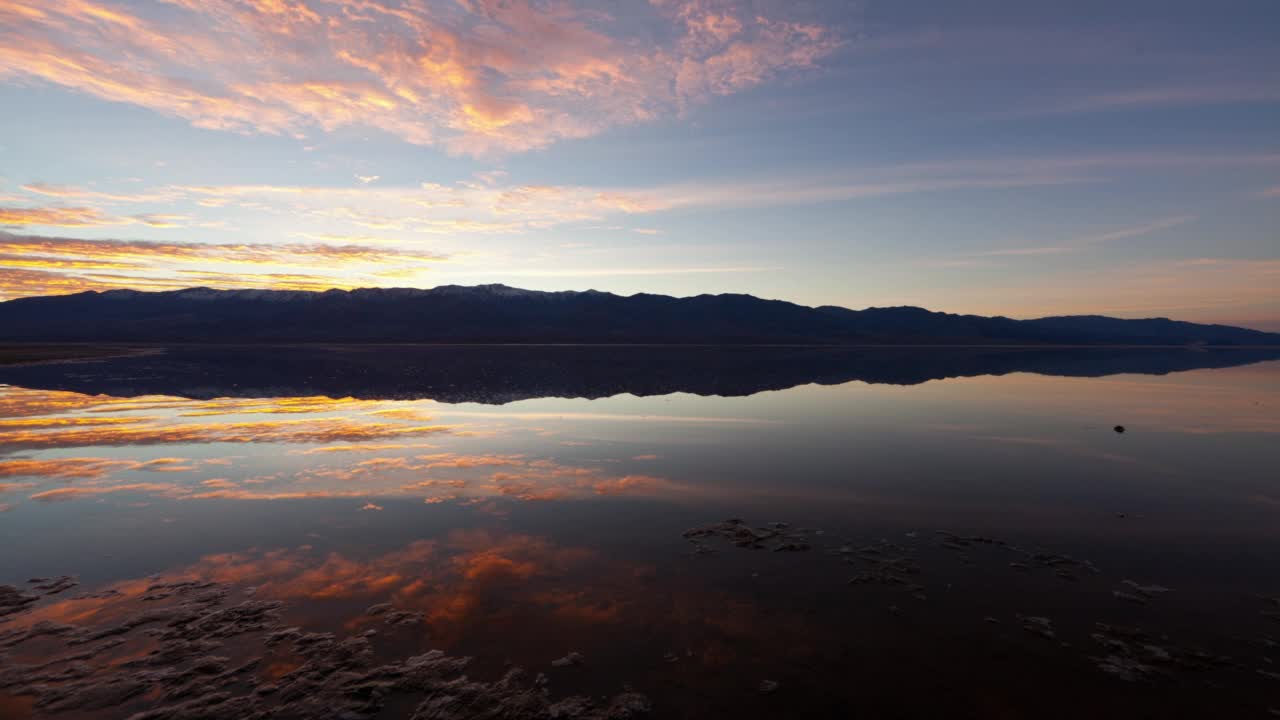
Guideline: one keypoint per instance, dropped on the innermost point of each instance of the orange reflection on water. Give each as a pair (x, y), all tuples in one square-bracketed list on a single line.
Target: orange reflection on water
[(465, 577), (332, 448), (321, 430)]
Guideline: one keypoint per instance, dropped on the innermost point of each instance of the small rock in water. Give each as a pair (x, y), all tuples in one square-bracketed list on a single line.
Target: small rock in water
[(1129, 597), (13, 600), (402, 617), (53, 586), (768, 686), (573, 658), (1041, 626), (1119, 428), (1147, 591)]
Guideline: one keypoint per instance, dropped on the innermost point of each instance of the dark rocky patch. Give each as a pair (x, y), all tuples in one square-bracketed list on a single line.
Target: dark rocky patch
[(190, 673)]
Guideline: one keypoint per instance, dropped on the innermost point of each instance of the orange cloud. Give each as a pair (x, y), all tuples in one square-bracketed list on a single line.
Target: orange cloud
[(64, 191), (448, 460), (629, 484), (83, 217), (63, 467), (361, 448), (483, 77), (143, 252), (72, 493), (55, 216), (47, 265), (167, 465)]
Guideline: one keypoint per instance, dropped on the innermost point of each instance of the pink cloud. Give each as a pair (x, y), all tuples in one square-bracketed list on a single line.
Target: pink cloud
[(478, 77)]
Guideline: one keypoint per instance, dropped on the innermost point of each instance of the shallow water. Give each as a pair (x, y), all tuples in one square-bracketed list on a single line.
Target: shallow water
[(958, 523)]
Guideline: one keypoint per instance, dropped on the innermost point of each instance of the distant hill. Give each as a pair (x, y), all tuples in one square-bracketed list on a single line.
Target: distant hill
[(501, 314)]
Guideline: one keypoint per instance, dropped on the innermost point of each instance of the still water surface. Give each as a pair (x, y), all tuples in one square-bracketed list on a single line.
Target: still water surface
[(956, 544)]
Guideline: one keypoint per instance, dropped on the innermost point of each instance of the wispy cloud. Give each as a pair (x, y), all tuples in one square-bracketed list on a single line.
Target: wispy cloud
[(73, 493), (1160, 96), (1085, 241), (76, 217), (55, 217), (81, 194), (144, 251), (373, 235)]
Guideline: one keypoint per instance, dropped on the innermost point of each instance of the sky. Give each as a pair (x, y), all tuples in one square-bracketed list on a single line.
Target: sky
[(1023, 158)]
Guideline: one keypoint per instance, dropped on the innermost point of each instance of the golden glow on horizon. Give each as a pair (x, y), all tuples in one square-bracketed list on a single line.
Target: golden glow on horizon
[(355, 104)]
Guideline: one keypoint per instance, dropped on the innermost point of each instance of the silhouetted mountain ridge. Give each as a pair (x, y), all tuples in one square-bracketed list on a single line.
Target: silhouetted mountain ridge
[(502, 314)]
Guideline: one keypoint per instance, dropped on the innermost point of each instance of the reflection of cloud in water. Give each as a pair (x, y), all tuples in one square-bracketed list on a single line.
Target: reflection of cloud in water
[(72, 493), (349, 448), (76, 467), (44, 423), (608, 417), (447, 460), (360, 448), (459, 578), (471, 589), (321, 430), (366, 450)]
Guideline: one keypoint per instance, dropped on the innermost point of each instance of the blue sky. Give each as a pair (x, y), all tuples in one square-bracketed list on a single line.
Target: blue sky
[(1018, 158)]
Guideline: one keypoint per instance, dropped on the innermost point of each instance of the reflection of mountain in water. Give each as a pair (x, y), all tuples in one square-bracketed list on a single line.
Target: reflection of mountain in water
[(507, 373)]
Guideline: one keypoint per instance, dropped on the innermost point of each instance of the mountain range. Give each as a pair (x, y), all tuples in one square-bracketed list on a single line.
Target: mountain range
[(502, 314)]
